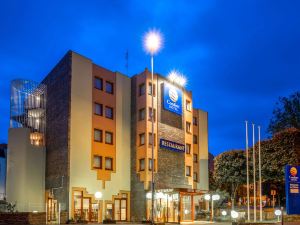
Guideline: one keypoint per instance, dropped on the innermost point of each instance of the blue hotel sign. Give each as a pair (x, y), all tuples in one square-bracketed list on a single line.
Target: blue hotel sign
[(292, 189), (172, 99), (170, 145)]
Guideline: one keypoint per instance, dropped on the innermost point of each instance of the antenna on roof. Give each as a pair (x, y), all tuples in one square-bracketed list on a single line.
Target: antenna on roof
[(126, 61)]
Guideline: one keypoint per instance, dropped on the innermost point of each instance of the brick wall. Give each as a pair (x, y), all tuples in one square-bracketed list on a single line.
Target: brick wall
[(22, 218)]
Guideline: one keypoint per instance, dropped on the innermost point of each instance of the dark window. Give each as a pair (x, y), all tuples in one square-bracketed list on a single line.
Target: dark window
[(195, 121), (188, 171), (97, 162), (195, 139), (188, 127), (109, 112), (188, 149), (142, 164), (150, 164), (98, 83), (150, 113), (142, 89), (98, 109), (97, 135), (142, 139), (109, 87), (108, 163), (195, 176), (195, 158), (150, 139), (108, 137), (150, 89), (142, 114)]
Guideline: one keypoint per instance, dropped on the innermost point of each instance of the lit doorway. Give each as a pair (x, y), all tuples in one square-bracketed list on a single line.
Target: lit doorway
[(120, 209)]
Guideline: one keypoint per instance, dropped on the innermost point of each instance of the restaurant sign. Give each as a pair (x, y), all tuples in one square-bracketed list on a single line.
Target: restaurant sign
[(170, 145)]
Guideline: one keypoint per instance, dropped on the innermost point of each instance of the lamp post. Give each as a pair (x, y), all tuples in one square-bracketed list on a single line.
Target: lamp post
[(215, 197), (152, 45), (98, 196), (207, 198)]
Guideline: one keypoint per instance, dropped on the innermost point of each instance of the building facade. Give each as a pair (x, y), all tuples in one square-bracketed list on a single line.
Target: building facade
[(98, 139)]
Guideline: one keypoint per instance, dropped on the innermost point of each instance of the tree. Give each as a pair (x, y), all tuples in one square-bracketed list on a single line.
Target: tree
[(286, 114), (230, 171)]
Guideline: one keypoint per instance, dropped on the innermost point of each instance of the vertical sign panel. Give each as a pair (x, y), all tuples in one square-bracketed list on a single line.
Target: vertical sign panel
[(292, 189), (172, 99)]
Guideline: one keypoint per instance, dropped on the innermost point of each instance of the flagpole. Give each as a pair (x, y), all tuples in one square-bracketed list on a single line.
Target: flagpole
[(247, 159), (254, 179), (260, 185)]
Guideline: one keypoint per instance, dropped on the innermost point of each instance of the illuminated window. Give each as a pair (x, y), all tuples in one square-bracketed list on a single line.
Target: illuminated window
[(188, 171), (142, 89), (188, 105), (150, 164), (142, 164), (150, 89), (98, 109), (142, 114), (188, 127), (108, 137), (97, 162), (109, 112), (195, 139), (150, 139), (97, 135), (154, 114), (188, 148), (195, 158), (108, 163), (109, 87), (98, 83), (195, 176), (142, 139), (195, 121)]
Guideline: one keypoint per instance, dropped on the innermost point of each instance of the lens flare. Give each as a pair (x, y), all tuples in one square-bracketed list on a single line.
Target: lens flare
[(153, 41)]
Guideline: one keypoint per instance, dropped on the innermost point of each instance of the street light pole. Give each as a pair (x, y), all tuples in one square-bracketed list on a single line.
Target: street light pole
[(260, 185), (247, 159), (254, 178)]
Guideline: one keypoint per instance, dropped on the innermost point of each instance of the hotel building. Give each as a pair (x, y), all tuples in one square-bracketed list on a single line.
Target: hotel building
[(86, 129)]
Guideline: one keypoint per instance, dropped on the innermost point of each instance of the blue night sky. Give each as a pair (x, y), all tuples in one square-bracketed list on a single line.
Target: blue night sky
[(239, 56)]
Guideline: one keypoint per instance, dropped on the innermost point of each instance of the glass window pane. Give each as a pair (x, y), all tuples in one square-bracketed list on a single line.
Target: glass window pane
[(108, 137), (142, 164), (108, 164), (97, 163), (98, 109), (98, 135), (142, 139), (98, 83), (108, 112), (109, 87), (142, 89)]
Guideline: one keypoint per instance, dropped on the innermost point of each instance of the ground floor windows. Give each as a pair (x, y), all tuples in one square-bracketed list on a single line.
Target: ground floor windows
[(84, 208), (120, 212)]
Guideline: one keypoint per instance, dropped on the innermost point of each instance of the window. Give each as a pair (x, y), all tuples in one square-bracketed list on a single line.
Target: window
[(150, 139), (109, 112), (142, 164), (195, 121), (142, 139), (142, 89), (195, 158), (188, 127), (188, 105), (142, 114), (150, 89), (195, 139), (150, 164), (97, 135), (188, 148), (108, 163), (97, 162), (98, 109), (98, 83), (108, 137), (195, 176), (109, 87), (188, 171), (150, 113)]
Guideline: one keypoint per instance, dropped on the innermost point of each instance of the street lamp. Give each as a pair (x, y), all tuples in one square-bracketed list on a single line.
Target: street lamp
[(234, 214), (278, 214), (98, 195), (176, 77), (215, 197), (152, 44), (207, 198)]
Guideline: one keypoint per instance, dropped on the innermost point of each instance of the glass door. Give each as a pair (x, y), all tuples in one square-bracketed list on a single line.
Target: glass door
[(186, 208), (120, 209)]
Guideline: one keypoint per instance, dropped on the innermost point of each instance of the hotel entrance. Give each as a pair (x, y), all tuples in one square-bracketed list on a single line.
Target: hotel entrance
[(176, 205)]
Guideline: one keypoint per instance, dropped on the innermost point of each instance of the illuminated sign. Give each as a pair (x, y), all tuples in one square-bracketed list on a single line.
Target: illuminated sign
[(170, 145), (172, 99), (292, 189)]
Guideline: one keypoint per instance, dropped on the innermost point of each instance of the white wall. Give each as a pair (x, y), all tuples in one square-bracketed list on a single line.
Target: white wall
[(25, 183), (81, 174)]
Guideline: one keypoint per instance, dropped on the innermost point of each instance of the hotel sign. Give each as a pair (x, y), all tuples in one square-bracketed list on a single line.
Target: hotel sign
[(172, 99), (292, 189), (170, 145)]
